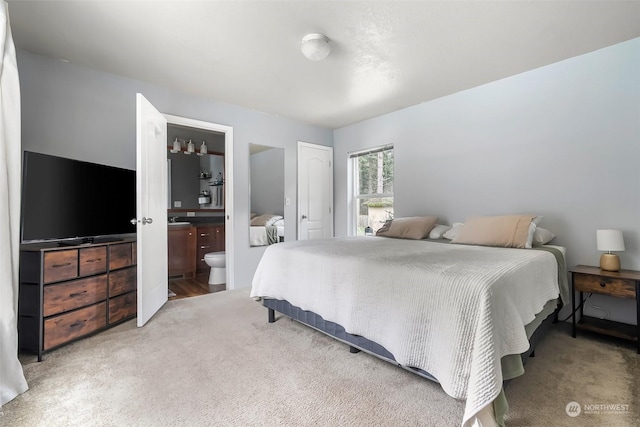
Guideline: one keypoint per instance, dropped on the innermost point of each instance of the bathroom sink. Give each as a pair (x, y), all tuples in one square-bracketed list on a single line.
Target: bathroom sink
[(178, 223)]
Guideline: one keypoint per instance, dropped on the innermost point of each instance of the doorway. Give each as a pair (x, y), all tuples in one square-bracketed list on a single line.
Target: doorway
[(226, 194)]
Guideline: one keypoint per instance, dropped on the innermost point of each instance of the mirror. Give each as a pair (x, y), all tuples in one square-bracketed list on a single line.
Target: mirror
[(266, 170), (195, 178)]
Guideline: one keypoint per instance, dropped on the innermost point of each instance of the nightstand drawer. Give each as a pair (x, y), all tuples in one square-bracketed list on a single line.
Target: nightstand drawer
[(623, 288)]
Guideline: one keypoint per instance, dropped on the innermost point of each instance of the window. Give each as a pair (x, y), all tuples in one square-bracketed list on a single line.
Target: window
[(372, 191)]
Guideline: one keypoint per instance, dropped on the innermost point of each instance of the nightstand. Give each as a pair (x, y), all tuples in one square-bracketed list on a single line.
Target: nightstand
[(619, 284)]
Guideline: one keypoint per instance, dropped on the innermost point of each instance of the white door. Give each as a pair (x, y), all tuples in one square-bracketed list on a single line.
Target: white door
[(315, 191), (151, 207)]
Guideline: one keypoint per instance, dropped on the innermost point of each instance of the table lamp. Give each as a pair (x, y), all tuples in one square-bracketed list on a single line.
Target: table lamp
[(608, 241)]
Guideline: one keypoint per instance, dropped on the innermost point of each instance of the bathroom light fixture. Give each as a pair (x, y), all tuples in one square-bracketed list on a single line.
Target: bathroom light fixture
[(315, 46), (203, 149), (608, 241), (177, 147), (190, 148)]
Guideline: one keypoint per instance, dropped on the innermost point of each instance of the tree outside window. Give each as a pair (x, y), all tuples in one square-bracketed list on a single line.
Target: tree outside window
[(373, 188)]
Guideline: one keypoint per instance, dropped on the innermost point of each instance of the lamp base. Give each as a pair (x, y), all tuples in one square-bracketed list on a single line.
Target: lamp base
[(609, 262)]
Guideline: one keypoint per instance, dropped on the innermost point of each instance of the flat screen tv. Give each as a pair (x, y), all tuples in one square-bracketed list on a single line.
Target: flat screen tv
[(66, 199)]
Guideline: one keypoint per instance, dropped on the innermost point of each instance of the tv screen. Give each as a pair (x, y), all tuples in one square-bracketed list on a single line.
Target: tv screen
[(70, 199)]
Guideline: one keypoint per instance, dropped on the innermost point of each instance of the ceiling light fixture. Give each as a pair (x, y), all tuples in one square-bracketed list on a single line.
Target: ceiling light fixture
[(315, 46)]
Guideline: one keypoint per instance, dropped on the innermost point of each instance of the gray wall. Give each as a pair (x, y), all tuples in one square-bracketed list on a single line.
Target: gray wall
[(562, 141), (267, 182), (76, 112)]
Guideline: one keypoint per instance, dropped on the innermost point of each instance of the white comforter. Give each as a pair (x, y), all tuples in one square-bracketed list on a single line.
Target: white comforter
[(451, 310)]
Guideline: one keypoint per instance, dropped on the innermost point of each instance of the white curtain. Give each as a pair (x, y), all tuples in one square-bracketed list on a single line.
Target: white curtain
[(12, 381)]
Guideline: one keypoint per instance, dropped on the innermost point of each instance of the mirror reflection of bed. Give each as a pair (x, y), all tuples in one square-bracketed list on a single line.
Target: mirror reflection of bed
[(266, 170)]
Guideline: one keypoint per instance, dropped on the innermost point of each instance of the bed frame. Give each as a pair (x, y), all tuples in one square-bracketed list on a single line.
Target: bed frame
[(357, 343)]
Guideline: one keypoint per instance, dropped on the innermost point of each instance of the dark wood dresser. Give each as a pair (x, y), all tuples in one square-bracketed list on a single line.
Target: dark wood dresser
[(69, 292)]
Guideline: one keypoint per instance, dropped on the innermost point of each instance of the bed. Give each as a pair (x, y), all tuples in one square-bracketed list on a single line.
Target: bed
[(264, 232), (461, 315)]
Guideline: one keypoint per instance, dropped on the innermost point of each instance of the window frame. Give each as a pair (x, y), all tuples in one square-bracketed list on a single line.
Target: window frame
[(354, 198)]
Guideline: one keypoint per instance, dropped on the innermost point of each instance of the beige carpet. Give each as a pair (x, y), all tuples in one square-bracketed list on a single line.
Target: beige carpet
[(215, 361)]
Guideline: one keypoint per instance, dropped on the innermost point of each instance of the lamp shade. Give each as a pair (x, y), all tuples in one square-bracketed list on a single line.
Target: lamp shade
[(315, 46), (610, 240)]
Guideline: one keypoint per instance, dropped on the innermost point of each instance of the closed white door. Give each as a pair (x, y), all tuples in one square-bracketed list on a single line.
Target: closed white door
[(151, 207), (315, 191)]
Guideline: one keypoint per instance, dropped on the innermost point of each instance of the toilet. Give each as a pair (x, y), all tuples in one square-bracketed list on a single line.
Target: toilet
[(217, 262)]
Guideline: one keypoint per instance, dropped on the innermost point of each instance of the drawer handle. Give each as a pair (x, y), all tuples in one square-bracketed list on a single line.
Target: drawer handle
[(204, 234), (603, 284), (61, 265), (94, 260), (76, 324), (204, 247), (77, 294)]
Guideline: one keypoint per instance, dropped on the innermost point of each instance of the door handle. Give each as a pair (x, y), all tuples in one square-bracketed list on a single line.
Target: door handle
[(144, 221), (304, 217)]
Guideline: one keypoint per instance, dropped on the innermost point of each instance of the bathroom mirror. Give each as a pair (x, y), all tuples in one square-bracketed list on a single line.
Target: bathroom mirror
[(195, 177), (266, 192)]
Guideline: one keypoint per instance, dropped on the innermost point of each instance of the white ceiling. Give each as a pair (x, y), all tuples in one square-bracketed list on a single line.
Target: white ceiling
[(386, 55)]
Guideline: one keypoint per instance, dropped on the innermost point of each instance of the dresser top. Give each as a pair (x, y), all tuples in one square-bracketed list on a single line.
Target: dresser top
[(55, 246)]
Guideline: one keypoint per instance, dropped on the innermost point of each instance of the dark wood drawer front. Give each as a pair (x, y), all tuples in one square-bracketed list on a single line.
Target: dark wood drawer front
[(120, 256), (623, 288), (122, 281), (122, 307), (66, 327), (71, 295), (60, 265), (201, 266), (93, 261)]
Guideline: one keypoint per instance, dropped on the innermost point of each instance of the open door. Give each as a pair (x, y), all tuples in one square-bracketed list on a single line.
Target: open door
[(151, 208)]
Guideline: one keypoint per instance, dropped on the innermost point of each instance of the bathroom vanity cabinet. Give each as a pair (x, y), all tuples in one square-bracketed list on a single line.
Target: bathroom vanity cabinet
[(69, 292), (182, 250), (210, 238)]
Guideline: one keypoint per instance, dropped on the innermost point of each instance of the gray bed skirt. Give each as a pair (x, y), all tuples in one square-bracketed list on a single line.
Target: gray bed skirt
[(357, 342)]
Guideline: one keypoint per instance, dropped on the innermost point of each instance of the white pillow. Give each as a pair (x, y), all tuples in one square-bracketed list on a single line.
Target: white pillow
[(273, 219), (542, 236), (452, 233), (532, 230), (438, 231)]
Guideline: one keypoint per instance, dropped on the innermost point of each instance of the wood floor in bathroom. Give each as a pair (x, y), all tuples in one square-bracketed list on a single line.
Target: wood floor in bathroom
[(184, 288)]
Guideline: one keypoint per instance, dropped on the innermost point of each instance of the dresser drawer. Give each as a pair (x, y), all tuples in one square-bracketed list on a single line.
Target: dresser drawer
[(120, 256), (60, 265), (122, 307), (122, 281), (93, 260), (623, 288), (71, 295), (75, 324)]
